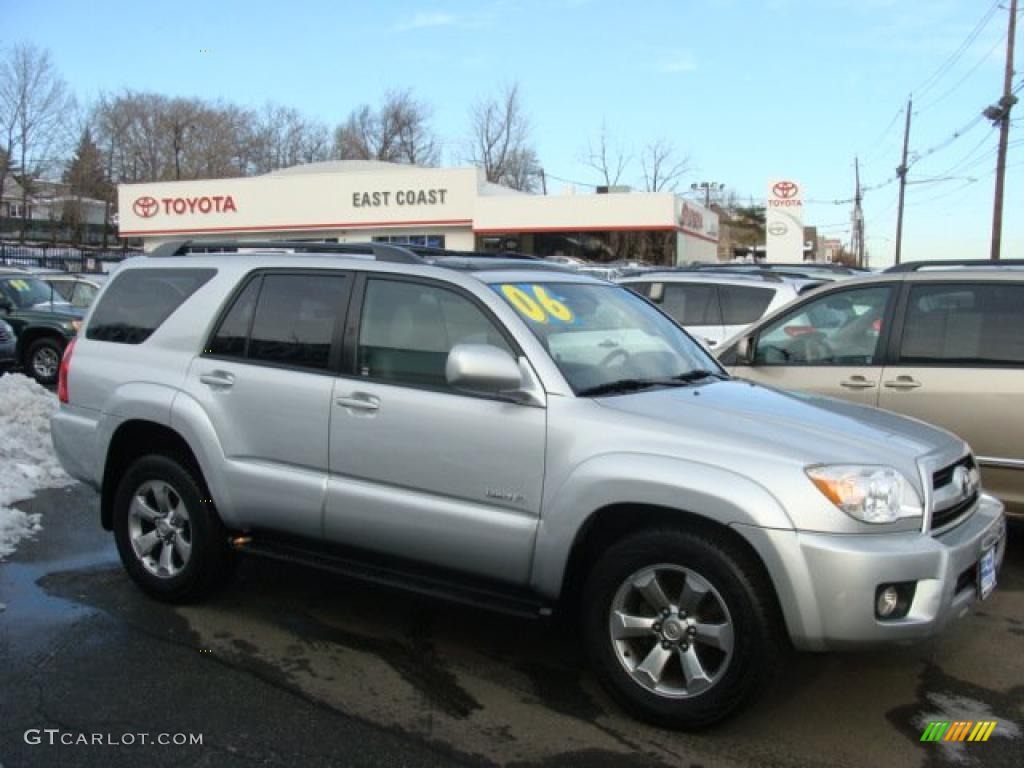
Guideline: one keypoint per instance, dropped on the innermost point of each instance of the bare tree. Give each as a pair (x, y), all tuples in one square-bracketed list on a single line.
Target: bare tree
[(662, 166), (609, 161), (397, 132), (34, 102), (500, 140)]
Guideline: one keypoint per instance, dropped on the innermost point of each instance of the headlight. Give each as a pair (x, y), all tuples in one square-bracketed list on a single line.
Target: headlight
[(75, 325), (868, 494)]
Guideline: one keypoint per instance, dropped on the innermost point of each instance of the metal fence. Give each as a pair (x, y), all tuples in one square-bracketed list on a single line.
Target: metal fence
[(61, 257)]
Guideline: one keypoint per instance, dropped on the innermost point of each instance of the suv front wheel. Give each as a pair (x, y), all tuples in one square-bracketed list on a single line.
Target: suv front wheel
[(169, 537), (679, 626)]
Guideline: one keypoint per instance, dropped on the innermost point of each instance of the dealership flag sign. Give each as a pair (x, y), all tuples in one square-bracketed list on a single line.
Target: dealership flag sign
[(784, 221)]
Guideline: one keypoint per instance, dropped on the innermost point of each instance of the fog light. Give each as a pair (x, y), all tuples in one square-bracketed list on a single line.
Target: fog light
[(888, 599), (892, 601)]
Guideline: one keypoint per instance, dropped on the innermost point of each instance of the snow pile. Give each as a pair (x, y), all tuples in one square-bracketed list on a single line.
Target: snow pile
[(27, 459)]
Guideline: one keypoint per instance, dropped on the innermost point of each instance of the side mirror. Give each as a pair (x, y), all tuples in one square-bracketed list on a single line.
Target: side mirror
[(745, 351), (483, 369)]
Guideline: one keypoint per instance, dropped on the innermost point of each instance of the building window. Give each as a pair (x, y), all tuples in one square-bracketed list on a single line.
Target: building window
[(430, 241)]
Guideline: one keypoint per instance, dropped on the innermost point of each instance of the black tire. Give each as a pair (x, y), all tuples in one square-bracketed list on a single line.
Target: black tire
[(39, 360), (210, 560), (758, 632)]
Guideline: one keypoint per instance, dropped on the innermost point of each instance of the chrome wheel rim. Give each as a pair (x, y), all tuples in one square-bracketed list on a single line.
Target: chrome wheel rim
[(671, 631), (160, 529), (45, 362)]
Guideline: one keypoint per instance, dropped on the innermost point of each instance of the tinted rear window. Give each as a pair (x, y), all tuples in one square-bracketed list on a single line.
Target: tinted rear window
[(139, 300), (964, 324), (691, 303), (742, 305)]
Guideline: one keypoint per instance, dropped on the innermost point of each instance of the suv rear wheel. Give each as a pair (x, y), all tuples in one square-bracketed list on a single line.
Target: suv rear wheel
[(679, 626), (169, 537), (42, 360)]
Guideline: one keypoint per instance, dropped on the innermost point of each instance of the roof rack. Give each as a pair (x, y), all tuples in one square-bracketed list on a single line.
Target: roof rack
[(778, 266), (765, 275), (380, 251), (915, 266)]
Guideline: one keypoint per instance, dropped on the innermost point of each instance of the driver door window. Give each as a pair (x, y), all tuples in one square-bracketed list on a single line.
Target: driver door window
[(830, 345)]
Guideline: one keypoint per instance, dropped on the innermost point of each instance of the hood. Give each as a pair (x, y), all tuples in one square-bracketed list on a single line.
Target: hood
[(744, 418)]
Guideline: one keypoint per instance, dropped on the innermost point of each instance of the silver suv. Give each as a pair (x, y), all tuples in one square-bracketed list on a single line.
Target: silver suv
[(518, 437), (715, 306)]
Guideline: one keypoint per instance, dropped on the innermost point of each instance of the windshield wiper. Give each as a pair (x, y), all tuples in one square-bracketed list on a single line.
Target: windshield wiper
[(625, 385), (699, 374)]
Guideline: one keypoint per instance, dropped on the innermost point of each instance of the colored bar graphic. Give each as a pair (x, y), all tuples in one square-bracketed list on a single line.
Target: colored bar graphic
[(958, 730)]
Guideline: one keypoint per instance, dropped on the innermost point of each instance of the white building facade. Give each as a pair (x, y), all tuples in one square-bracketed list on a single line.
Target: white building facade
[(454, 208)]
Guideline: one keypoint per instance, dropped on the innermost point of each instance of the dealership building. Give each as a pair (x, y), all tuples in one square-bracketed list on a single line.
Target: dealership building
[(454, 208)]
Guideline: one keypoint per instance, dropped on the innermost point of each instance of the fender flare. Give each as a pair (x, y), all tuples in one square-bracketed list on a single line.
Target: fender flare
[(712, 492)]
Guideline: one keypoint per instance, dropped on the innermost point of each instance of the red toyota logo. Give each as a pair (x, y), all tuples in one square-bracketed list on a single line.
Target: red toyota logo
[(145, 207), (785, 189)]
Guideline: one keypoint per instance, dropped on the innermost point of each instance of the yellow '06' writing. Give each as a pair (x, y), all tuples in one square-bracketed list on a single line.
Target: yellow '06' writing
[(535, 303)]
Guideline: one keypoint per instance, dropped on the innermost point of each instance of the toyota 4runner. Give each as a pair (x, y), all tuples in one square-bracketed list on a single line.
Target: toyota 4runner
[(505, 433)]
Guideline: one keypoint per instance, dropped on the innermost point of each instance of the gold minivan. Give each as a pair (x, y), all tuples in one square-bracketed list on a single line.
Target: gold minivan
[(939, 341)]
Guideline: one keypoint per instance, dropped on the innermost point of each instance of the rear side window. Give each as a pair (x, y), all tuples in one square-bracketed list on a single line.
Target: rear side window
[(963, 324), (283, 320), (742, 304), (140, 300), (691, 303)]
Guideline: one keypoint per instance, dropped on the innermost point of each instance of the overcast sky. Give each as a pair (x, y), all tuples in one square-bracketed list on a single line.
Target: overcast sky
[(750, 89)]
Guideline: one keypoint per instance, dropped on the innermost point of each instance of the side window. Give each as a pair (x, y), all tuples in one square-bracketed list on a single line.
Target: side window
[(742, 304), (83, 295), (407, 330), (139, 300), (964, 324), (295, 319), (691, 303), (842, 328), (642, 289), (63, 288), (233, 333)]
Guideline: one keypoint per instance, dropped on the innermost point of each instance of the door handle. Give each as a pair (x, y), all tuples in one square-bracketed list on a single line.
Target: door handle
[(358, 402), (903, 382), (856, 382), (221, 379)]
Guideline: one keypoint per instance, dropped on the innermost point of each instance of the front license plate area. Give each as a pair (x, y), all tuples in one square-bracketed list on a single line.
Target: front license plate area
[(987, 573)]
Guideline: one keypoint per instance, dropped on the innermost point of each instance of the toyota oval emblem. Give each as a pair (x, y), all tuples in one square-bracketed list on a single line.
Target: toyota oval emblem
[(145, 207), (785, 189), (777, 229)]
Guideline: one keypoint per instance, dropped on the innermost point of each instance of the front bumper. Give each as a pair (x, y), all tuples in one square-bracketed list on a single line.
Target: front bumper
[(827, 583)]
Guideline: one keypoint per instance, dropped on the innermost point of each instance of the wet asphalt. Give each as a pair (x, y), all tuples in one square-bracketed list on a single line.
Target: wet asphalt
[(287, 666)]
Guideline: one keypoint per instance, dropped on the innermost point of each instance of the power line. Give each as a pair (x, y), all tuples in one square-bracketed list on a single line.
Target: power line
[(954, 57), (964, 79)]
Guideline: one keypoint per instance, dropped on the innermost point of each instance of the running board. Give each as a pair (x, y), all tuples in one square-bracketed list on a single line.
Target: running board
[(443, 587)]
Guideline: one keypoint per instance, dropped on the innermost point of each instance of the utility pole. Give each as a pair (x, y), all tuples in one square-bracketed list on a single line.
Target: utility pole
[(902, 173), (1000, 114), (543, 181)]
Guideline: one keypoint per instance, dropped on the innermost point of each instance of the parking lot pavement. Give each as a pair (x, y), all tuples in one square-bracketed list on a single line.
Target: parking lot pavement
[(287, 666)]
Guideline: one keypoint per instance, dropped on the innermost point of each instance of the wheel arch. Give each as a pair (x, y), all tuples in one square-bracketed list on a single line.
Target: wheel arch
[(132, 439)]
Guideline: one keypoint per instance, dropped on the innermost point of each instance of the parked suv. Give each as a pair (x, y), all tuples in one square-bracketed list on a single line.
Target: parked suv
[(43, 321), (715, 306), (939, 341), (521, 438)]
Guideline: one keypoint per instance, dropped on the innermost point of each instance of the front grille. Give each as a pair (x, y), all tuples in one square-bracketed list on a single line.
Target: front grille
[(958, 507), (943, 517), (944, 476)]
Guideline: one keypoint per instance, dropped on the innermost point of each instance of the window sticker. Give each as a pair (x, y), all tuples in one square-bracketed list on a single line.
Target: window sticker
[(18, 285), (535, 303)]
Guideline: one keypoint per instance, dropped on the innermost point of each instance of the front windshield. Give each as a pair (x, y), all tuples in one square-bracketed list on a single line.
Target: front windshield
[(25, 292), (605, 338)]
